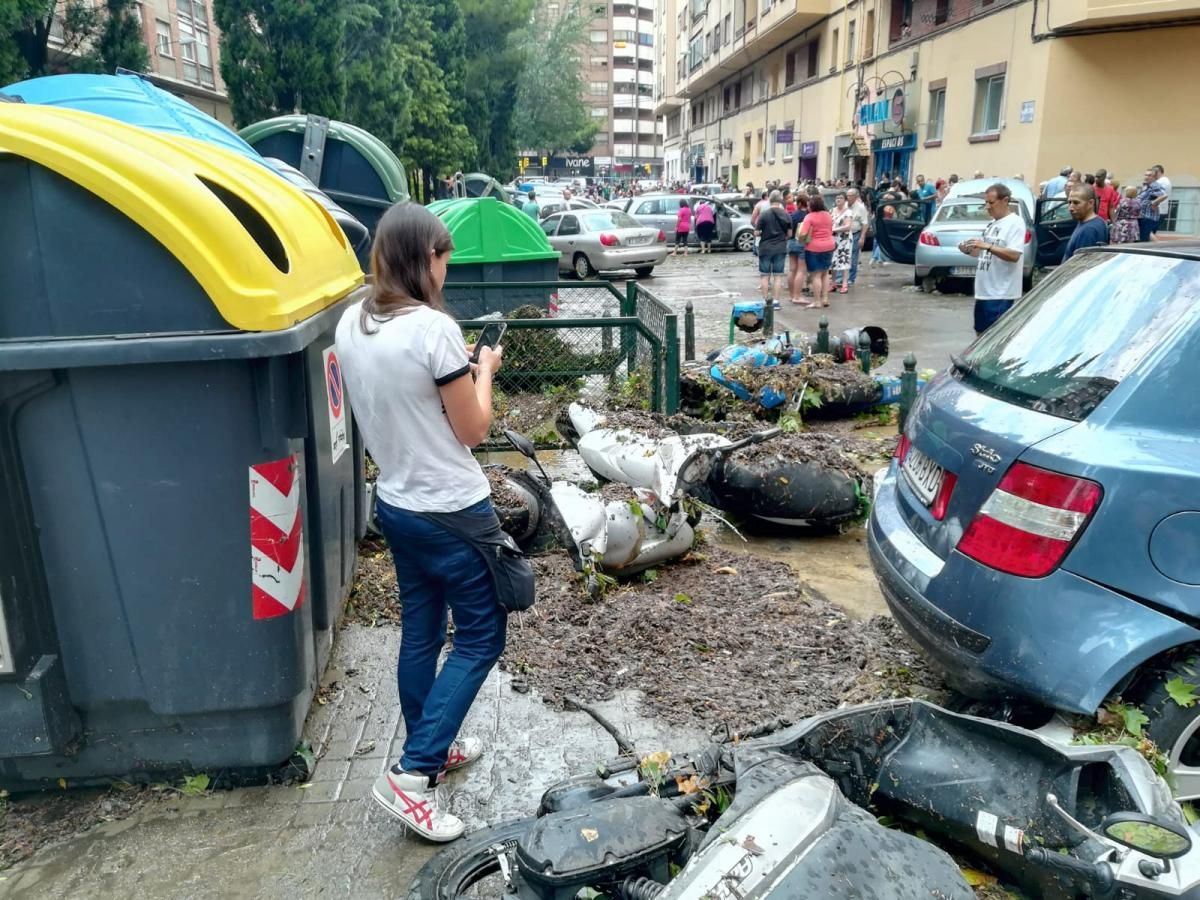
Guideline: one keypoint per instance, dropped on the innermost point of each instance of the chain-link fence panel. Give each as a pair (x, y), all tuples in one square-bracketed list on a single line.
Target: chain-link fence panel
[(579, 346), (662, 355)]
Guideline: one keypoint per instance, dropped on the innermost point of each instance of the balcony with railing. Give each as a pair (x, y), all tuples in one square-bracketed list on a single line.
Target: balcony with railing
[(1070, 15)]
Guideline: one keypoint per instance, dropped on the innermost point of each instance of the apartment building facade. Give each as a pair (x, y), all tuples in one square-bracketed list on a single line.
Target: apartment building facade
[(184, 48), (619, 66), (763, 90)]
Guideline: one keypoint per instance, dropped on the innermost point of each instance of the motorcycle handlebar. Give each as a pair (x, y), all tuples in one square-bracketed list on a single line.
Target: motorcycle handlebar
[(1097, 875)]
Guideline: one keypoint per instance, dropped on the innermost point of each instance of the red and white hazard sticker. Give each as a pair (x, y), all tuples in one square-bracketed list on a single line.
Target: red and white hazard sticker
[(276, 538)]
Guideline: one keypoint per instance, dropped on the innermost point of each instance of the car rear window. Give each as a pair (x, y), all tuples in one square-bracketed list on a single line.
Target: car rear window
[(598, 221), (1065, 347), (962, 212)]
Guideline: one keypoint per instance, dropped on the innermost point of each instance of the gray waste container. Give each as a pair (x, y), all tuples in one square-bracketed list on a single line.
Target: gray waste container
[(177, 507)]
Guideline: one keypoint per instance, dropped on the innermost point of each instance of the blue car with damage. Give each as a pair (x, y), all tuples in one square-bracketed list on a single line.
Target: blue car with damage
[(1038, 531)]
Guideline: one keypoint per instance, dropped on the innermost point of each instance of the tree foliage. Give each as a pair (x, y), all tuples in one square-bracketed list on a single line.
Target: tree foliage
[(494, 65), (95, 38), (283, 56), (378, 97), (550, 112)]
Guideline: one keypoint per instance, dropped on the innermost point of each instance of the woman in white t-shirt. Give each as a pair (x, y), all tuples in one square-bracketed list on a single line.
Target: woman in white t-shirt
[(409, 381)]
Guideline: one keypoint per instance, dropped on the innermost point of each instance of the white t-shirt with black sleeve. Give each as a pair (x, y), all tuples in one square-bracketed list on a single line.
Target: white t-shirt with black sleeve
[(996, 278), (393, 379)]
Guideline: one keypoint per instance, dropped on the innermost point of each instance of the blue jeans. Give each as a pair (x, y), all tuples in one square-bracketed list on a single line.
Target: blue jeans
[(437, 571), (876, 252), (855, 250)]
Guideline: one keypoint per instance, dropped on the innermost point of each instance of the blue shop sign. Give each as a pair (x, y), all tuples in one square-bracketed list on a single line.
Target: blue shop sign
[(895, 142)]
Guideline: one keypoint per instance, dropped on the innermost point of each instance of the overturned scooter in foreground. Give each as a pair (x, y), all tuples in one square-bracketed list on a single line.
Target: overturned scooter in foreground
[(792, 814)]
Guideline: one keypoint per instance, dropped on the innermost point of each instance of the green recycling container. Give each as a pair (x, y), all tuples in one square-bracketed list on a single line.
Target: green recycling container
[(497, 246), (351, 165)]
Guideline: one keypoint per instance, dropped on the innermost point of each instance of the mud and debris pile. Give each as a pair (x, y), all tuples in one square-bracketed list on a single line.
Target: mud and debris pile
[(718, 638)]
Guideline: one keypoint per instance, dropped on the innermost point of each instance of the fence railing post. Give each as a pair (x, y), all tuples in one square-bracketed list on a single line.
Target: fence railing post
[(628, 335), (864, 352), (823, 335), (768, 318), (908, 389), (689, 332), (670, 372)]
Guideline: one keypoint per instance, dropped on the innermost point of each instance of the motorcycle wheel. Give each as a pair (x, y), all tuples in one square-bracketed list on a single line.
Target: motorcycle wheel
[(467, 862)]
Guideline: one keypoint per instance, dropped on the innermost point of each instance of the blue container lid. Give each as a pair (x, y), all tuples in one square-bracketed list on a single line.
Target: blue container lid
[(131, 99)]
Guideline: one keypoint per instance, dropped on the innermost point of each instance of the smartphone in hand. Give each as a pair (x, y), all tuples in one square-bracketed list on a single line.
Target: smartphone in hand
[(490, 337)]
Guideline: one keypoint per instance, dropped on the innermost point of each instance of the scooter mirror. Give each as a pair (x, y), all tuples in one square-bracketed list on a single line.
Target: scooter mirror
[(523, 445), (1146, 834)]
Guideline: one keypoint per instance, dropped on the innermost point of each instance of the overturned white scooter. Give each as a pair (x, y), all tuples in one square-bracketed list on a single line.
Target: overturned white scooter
[(617, 535)]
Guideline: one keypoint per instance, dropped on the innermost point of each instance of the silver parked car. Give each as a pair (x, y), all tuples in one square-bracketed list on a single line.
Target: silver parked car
[(557, 203), (604, 240), (961, 217), (659, 211)]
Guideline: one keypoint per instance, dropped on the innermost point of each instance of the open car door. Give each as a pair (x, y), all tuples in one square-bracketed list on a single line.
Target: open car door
[(724, 224), (1053, 225), (898, 234)]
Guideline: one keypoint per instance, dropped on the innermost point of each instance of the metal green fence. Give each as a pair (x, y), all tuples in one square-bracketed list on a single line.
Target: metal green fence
[(585, 340)]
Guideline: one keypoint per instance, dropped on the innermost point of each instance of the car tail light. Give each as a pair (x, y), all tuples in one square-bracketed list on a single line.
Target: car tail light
[(1028, 235), (942, 499), (609, 240), (929, 239), (902, 448), (662, 237), (1030, 521)]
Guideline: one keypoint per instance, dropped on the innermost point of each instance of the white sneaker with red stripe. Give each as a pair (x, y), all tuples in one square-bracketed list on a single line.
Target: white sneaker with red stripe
[(412, 800), (462, 751)]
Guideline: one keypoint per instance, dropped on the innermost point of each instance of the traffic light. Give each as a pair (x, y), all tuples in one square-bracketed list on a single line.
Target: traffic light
[(545, 162), (647, 168)]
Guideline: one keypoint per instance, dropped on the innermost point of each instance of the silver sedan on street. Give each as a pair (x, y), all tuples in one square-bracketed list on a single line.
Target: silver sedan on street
[(603, 240)]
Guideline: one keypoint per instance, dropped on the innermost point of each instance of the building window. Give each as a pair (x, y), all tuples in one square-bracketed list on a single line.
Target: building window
[(789, 69), (716, 35), (833, 55), (989, 101), (746, 150), (600, 62), (163, 33), (599, 112), (814, 58), (788, 148), (941, 12), (869, 35), (728, 30), (850, 42), (599, 37), (598, 88), (761, 145), (771, 143), (937, 114), (599, 10)]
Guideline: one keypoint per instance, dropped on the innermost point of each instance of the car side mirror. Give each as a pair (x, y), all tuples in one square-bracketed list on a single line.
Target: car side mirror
[(1153, 836)]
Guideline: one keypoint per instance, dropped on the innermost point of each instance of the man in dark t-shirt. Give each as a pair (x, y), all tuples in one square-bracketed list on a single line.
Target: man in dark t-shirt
[(1090, 229), (774, 227)]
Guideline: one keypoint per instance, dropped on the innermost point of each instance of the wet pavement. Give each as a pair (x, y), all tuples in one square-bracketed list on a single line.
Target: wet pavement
[(327, 838)]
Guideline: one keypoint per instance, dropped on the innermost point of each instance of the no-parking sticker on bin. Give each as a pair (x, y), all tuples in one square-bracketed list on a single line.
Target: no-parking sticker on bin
[(276, 538), (335, 391)]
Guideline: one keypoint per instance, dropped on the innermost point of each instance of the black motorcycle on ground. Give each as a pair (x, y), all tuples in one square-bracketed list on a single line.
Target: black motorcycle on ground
[(803, 811)]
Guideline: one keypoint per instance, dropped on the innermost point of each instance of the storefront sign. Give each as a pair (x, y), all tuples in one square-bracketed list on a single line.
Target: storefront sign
[(808, 150), (889, 109), (574, 165), (784, 135), (1027, 112), (895, 142)]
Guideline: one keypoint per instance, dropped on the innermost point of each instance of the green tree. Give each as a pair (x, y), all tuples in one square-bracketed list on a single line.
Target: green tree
[(378, 97), (95, 38), (494, 65), (438, 143), (119, 43), (283, 56), (550, 111)]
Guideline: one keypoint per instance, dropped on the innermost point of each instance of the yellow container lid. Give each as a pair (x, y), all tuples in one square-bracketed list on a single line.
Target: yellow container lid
[(267, 254)]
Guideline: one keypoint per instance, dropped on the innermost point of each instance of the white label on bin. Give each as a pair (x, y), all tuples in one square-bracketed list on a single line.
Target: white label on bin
[(335, 393), (276, 538)]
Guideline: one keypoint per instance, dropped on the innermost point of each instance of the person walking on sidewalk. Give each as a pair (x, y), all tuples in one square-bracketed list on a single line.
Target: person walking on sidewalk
[(816, 233), (998, 272), (860, 224), (774, 229), (843, 251), (410, 383)]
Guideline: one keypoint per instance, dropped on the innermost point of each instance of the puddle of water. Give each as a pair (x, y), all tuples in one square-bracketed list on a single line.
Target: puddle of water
[(834, 564)]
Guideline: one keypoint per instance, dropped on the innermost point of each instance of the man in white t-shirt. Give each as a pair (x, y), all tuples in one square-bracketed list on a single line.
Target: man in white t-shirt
[(1163, 203), (860, 224), (998, 272)]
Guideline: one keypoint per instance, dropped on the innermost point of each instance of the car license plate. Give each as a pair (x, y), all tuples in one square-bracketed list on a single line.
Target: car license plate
[(638, 240), (923, 475), (962, 271)]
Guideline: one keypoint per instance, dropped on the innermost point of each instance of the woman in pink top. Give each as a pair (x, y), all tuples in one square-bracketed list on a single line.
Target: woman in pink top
[(816, 234), (683, 226), (706, 225)]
